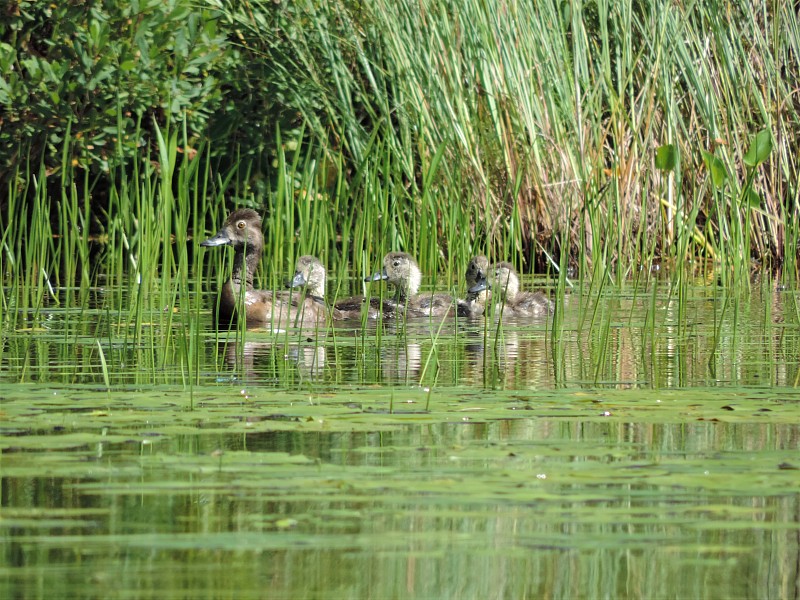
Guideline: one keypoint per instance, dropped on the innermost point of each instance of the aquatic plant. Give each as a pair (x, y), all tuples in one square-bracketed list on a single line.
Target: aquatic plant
[(435, 128)]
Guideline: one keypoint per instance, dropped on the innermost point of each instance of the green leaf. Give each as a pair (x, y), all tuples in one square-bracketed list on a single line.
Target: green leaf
[(95, 30), (760, 148), (566, 14), (753, 199), (32, 67), (719, 174), (667, 157)]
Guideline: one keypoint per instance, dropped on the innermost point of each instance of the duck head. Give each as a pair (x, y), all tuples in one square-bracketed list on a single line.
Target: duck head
[(477, 271), (402, 271), (242, 230), (310, 274)]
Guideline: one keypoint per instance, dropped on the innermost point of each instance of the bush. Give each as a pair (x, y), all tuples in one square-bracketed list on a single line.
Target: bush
[(104, 71)]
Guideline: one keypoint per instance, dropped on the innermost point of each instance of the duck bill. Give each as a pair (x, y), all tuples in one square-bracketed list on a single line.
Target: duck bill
[(297, 281), (220, 239), (479, 287), (377, 276)]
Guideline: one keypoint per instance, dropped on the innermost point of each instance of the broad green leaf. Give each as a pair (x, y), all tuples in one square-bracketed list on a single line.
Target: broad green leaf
[(760, 148), (719, 174), (752, 198), (566, 13), (667, 157)]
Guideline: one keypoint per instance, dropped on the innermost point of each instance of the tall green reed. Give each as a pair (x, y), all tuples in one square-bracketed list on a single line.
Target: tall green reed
[(546, 120), (115, 255)]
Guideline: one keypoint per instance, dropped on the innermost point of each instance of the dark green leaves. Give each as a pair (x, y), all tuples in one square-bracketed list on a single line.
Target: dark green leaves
[(101, 70)]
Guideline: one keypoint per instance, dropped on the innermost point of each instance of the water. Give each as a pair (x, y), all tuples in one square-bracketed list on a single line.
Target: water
[(636, 446)]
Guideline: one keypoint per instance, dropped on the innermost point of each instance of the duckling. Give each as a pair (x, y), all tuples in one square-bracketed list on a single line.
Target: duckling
[(352, 308), (242, 231), (474, 304), (505, 280), (402, 271), (311, 275)]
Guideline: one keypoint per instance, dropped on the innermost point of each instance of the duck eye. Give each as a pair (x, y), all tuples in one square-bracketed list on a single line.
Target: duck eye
[(241, 224), (396, 263)]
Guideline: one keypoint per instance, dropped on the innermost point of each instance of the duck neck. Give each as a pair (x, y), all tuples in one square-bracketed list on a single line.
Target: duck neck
[(245, 263), (316, 289), (512, 289), (409, 287), (314, 286), (481, 298)]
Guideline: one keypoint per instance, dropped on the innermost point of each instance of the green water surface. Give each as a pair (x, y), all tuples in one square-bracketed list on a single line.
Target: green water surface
[(634, 446)]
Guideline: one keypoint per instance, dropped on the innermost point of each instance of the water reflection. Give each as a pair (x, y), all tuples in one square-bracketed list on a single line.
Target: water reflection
[(324, 360), (500, 505), (651, 337), (266, 361), (420, 352), (401, 362)]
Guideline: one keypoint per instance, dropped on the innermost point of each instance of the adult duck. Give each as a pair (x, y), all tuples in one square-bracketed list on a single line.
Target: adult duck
[(242, 231)]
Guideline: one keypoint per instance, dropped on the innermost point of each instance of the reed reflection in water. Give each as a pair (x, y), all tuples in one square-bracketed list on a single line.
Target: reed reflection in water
[(670, 509)]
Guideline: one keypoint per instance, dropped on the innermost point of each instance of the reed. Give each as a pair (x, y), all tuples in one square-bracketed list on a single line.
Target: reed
[(460, 126), (558, 134)]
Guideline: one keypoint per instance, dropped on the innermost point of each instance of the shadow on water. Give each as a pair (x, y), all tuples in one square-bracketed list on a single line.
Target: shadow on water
[(632, 446)]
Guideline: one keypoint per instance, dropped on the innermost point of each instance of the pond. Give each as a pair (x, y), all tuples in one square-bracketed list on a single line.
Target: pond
[(641, 443)]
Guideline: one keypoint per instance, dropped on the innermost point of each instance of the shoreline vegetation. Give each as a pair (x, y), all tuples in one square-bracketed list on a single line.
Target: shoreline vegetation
[(641, 440), (603, 137)]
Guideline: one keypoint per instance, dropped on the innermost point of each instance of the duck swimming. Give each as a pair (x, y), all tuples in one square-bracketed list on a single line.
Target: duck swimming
[(402, 271), (352, 308), (474, 304), (310, 274), (505, 281), (242, 231)]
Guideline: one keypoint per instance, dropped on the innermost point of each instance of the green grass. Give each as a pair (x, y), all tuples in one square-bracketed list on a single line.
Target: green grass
[(446, 128)]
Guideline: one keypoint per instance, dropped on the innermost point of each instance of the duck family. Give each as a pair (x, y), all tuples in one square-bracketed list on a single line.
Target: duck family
[(304, 304)]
